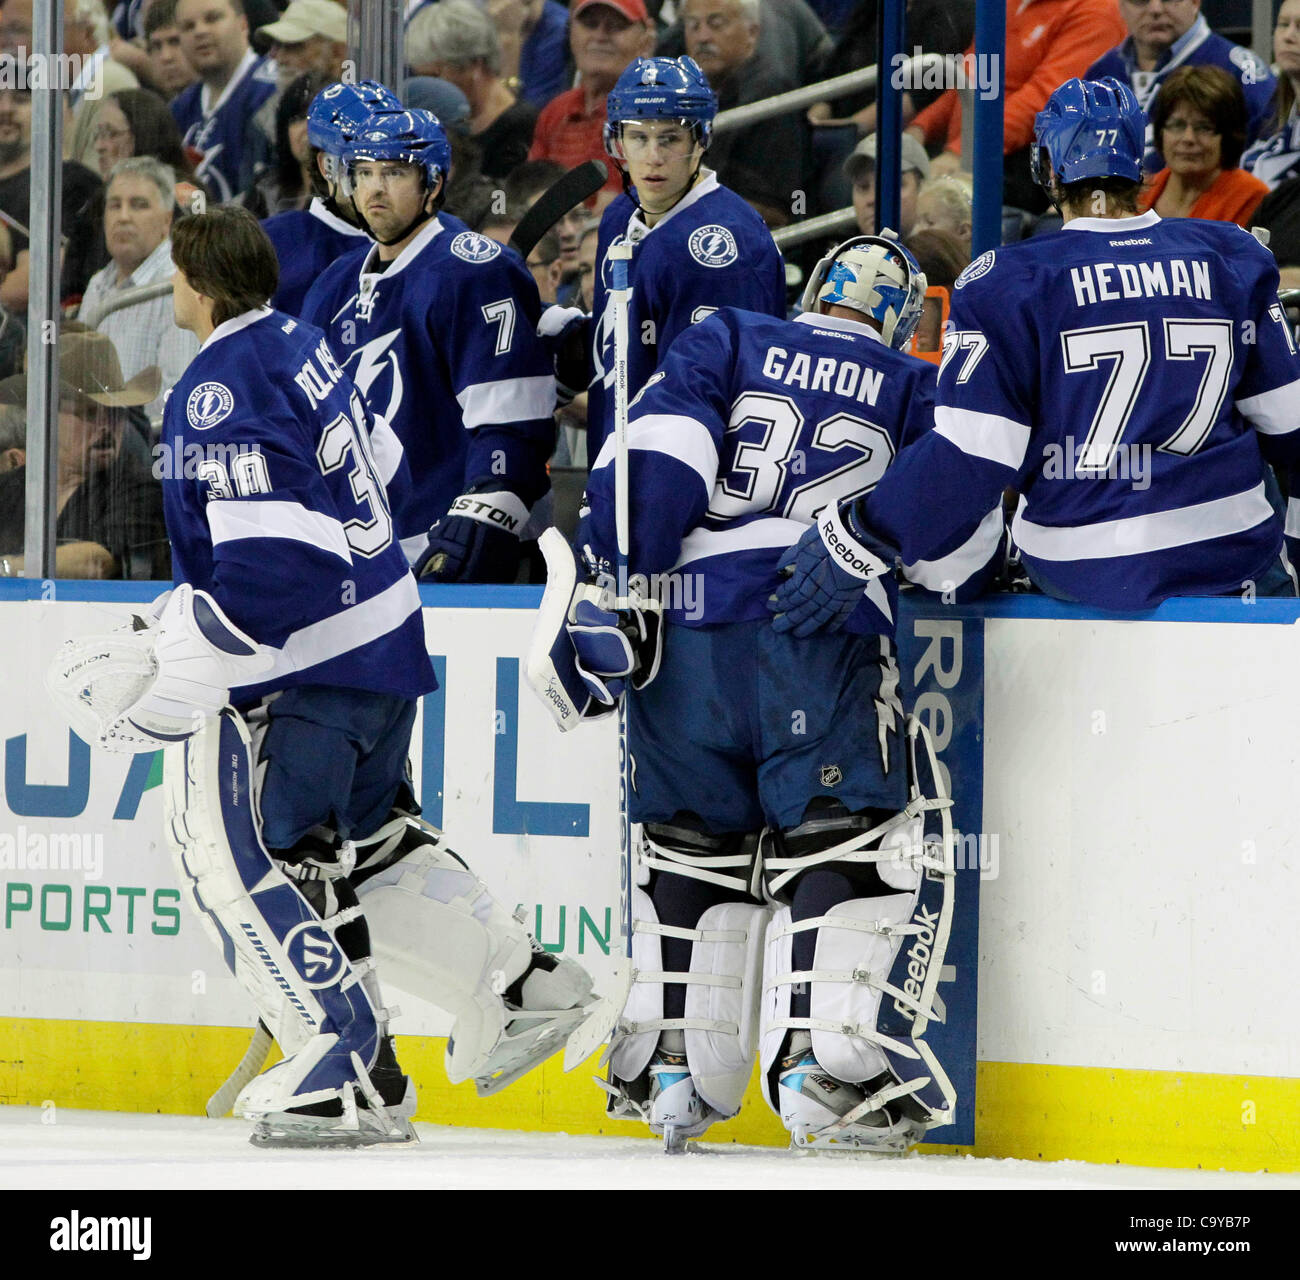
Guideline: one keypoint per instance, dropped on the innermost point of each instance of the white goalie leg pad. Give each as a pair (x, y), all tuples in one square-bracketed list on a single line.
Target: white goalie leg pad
[(279, 949), (438, 933)]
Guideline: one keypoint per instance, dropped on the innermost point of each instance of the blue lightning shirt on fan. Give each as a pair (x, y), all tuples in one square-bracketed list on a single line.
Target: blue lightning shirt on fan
[(306, 241), (1129, 377), (442, 343), (749, 428), (217, 131), (277, 506), (710, 250)]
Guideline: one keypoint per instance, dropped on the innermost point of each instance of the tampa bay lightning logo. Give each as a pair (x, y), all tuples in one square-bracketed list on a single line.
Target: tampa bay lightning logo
[(980, 267), (209, 403), (713, 246), (474, 248), (314, 954), (375, 369)]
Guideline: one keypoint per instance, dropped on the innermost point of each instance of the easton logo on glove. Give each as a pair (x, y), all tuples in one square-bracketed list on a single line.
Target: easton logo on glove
[(504, 510)]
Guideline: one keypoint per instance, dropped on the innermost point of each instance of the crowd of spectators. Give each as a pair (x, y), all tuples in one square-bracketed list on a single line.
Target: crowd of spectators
[(184, 101)]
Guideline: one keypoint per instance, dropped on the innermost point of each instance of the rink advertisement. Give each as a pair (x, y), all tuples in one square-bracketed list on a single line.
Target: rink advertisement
[(1125, 844)]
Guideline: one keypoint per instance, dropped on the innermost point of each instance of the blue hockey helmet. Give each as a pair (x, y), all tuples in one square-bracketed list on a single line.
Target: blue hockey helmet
[(876, 275), (411, 137), (340, 111), (661, 89), (1089, 129)]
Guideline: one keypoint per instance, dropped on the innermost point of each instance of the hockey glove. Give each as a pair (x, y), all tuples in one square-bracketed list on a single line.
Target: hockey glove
[(615, 647), (563, 331), (826, 573), (476, 541)]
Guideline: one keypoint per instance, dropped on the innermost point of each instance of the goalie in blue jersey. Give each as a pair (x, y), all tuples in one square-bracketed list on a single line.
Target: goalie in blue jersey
[(1131, 377), (769, 770), (282, 676)]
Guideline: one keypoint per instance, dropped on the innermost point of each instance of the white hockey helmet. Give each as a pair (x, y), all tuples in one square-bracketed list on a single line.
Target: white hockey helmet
[(876, 275)]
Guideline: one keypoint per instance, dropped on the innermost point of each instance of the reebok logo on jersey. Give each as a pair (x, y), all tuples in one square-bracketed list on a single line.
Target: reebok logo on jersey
[(209, 403), (713, 246)]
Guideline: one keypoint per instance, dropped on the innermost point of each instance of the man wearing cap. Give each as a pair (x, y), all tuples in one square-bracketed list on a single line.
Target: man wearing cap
[(109, 517), (860, 170), (605, 36), (137, 230), (311, 36), (215, 115)]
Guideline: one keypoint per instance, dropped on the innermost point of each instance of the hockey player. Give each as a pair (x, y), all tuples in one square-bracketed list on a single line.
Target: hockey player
[(436, 325), (1127, 375), (762, 759), (698, 245), (295, 606), (307, 240)]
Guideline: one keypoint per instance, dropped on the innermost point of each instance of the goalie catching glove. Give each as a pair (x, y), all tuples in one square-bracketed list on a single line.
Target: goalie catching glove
[(827, 571), (152, 683), (584, 650), (477, 540)]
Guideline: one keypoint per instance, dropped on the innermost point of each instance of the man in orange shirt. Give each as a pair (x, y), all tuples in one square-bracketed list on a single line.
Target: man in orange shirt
[(1048, 42), (606, 36)]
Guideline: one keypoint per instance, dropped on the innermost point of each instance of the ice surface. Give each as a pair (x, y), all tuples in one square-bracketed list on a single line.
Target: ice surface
[(98, 1150)]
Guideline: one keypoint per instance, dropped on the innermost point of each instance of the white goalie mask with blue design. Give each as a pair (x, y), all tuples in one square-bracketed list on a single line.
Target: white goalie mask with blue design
[(874, 275)]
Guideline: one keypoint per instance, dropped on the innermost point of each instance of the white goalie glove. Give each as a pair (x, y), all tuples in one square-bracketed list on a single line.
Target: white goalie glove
[(158, 679)]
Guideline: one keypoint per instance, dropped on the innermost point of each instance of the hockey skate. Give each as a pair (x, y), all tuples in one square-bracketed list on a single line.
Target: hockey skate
[(822, 1112), (374, 1109), (664, 1096)]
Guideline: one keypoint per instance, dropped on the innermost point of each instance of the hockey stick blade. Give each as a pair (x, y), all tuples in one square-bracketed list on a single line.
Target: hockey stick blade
[(565, 193), (250, 1065)]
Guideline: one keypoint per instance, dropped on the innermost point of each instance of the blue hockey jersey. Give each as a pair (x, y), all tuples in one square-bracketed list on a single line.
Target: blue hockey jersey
[(217, 132), (276, 505), (747, 430), (1128, 377), (1275, 158), (711, 250), (306, 241), (443, 344), (1198, 46)]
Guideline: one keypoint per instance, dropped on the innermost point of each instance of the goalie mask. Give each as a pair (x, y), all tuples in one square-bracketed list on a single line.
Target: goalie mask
[(874, 275)]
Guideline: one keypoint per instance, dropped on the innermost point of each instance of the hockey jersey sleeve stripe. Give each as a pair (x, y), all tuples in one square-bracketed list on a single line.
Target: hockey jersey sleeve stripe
[(1135, 535), (413, 547), (230, 519), (983, 435), (1273, 413), (772, 531), (957, 567), (386, 449), (1292, 528), (340, 633), (879, 596), (686, 439), (485, 404)]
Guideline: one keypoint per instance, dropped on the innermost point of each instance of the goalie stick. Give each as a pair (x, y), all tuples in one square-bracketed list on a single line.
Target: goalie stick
[(250, 1066), (565, 193)]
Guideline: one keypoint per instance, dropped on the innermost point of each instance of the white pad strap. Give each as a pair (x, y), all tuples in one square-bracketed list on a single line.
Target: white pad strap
[(661, 857)]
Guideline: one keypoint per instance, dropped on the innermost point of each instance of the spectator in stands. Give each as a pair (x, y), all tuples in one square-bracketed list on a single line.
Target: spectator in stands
[(534, 47), (79, 187), (457, 42), (287, 184), (769, 163), (943, 258), (215, 115), (109, 520), (1275, 157), (860, 170), (791, 35), (428, 93), (1164, 35), (136, 122), (944, 204), (86, 36), (169, 68), (1199, 120), (1048, 42), (137, 230), (605, 36), (311, 35)]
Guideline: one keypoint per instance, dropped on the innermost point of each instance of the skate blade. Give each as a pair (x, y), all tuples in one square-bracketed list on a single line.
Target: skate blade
[(548, 1042), (674, 1141), (280, 1136), (804, 1141)]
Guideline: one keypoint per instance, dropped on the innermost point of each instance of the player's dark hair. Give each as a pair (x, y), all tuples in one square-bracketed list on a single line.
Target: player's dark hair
[(225, 255), (1214, 93), (161, 14), (939, 254), (1113, 195)]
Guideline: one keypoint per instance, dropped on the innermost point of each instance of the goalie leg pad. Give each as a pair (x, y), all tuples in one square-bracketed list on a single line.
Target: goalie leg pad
[(438, 933), (273, 941)]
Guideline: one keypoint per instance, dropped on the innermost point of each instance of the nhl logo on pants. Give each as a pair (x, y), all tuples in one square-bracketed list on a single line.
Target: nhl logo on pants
[(831, 776)]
